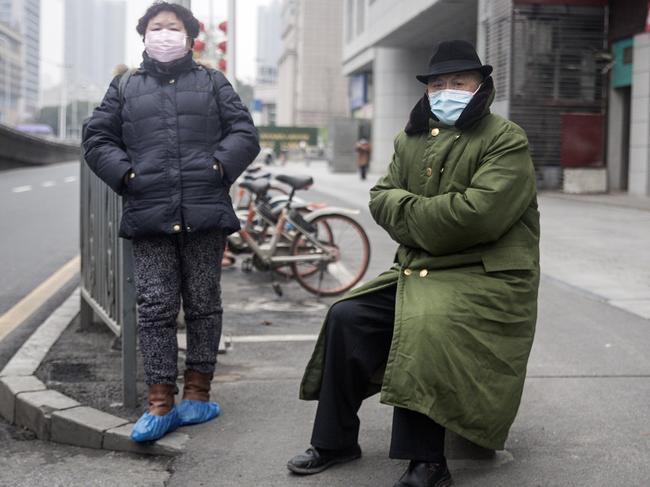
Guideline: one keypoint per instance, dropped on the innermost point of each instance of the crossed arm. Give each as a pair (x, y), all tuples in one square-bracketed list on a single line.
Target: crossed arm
[(498, 194)]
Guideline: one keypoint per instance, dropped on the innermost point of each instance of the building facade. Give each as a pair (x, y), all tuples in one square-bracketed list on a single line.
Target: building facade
[(269, 50), (23, 17), (386, 43), (628, 114), (548, 58), (94, 43), (311, 87), (11, 74)]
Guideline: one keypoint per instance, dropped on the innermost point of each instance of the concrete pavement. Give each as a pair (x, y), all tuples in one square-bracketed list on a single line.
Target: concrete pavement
[(600, 245), (584, 416)]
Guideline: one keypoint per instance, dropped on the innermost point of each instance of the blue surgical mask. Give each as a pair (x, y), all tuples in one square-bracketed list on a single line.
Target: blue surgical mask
[(447, 105)]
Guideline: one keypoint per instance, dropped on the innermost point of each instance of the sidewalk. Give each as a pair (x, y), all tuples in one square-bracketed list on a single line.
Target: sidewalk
[(584, 418), (584, 415), (599, 244)]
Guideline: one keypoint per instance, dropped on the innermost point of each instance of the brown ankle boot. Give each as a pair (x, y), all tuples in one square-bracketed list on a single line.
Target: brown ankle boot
[(197, 386), (161, 398)]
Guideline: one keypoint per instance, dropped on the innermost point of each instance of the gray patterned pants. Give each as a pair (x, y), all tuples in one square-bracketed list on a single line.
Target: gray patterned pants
[(167, 267)]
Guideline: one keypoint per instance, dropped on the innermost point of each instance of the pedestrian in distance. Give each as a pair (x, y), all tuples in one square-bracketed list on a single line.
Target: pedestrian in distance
[(362, 148), (170, 138), (445, 333), (267, 154)]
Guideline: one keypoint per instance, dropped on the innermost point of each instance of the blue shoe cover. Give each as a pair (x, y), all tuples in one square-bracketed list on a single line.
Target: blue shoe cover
[(193, 412), (150, 427)]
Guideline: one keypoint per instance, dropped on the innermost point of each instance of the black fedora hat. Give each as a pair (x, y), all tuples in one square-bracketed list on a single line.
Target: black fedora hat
[(454, 57)]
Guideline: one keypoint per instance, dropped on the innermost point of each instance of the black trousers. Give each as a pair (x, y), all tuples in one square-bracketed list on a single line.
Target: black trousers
[(359, 333), (363, 170), (167, 267)]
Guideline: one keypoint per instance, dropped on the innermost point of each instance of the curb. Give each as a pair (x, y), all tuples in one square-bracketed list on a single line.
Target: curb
[(26, 401)]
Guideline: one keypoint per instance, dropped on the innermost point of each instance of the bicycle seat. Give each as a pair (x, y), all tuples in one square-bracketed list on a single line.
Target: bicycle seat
[(255, 176), (258, 186), (255, 168), (296, 182)]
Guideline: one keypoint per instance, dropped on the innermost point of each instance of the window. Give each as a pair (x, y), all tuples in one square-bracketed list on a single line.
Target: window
[(627, 55)]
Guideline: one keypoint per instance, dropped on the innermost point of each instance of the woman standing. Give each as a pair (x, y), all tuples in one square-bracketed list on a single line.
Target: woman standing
[(171, 138)]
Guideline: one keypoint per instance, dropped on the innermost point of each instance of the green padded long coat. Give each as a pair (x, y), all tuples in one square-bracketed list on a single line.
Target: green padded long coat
[(461, 203)]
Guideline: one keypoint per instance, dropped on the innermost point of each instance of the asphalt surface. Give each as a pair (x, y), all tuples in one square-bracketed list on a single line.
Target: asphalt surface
[(584, 415), (40, 214), (40, 218)]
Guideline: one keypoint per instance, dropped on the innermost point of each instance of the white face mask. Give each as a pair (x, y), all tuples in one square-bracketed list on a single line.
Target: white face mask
[(165, 45), (447, 105)]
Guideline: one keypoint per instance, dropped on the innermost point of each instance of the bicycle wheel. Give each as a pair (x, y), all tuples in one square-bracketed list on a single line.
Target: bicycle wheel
[(345, 249), (285, 247)]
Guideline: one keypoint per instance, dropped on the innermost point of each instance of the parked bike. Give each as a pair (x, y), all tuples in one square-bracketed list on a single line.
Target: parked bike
[(325, 250)]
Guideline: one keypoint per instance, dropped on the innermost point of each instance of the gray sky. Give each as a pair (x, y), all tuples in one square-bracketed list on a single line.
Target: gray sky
[(52, 34)]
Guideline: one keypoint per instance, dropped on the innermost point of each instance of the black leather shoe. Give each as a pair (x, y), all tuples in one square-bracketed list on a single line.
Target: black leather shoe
[(316, 460), (424, 474)]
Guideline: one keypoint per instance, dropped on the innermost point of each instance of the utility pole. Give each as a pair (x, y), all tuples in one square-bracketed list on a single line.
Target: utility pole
[(211, 37), (232, 43), (7, 80), (63, 109)]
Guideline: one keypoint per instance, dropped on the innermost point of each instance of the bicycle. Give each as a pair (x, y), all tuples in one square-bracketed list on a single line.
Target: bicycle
[(261, 215), (242, 201), (327, 250), (255, 173)]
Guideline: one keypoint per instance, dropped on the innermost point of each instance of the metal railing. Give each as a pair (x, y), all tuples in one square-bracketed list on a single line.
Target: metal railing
[(107, 288)]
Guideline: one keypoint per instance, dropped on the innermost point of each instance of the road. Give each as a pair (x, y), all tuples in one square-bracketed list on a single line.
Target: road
[(40, 219)]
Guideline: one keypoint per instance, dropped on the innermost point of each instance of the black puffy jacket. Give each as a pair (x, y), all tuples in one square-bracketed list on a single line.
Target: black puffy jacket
[(167, 133)]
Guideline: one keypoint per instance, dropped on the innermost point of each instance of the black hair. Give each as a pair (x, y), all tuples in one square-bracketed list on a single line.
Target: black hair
[(185, 15)]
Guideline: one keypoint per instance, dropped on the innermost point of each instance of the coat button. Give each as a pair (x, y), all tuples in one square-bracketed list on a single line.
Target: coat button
[(132, 175), (423, 273), (435, 132), (215, 167), (172, 81), (442, 170), (408, 272), (429, 172), (176, 228)]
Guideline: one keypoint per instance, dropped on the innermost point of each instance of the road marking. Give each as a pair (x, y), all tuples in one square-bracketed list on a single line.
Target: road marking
[(227, 340), (48, 184), (21, 189), (340, 272), (269, 304), (70, 179), (273, 338), (35, 299)]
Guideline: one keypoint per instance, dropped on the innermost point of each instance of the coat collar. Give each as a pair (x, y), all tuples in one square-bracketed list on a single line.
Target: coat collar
[(477, 108), (156, 68)]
